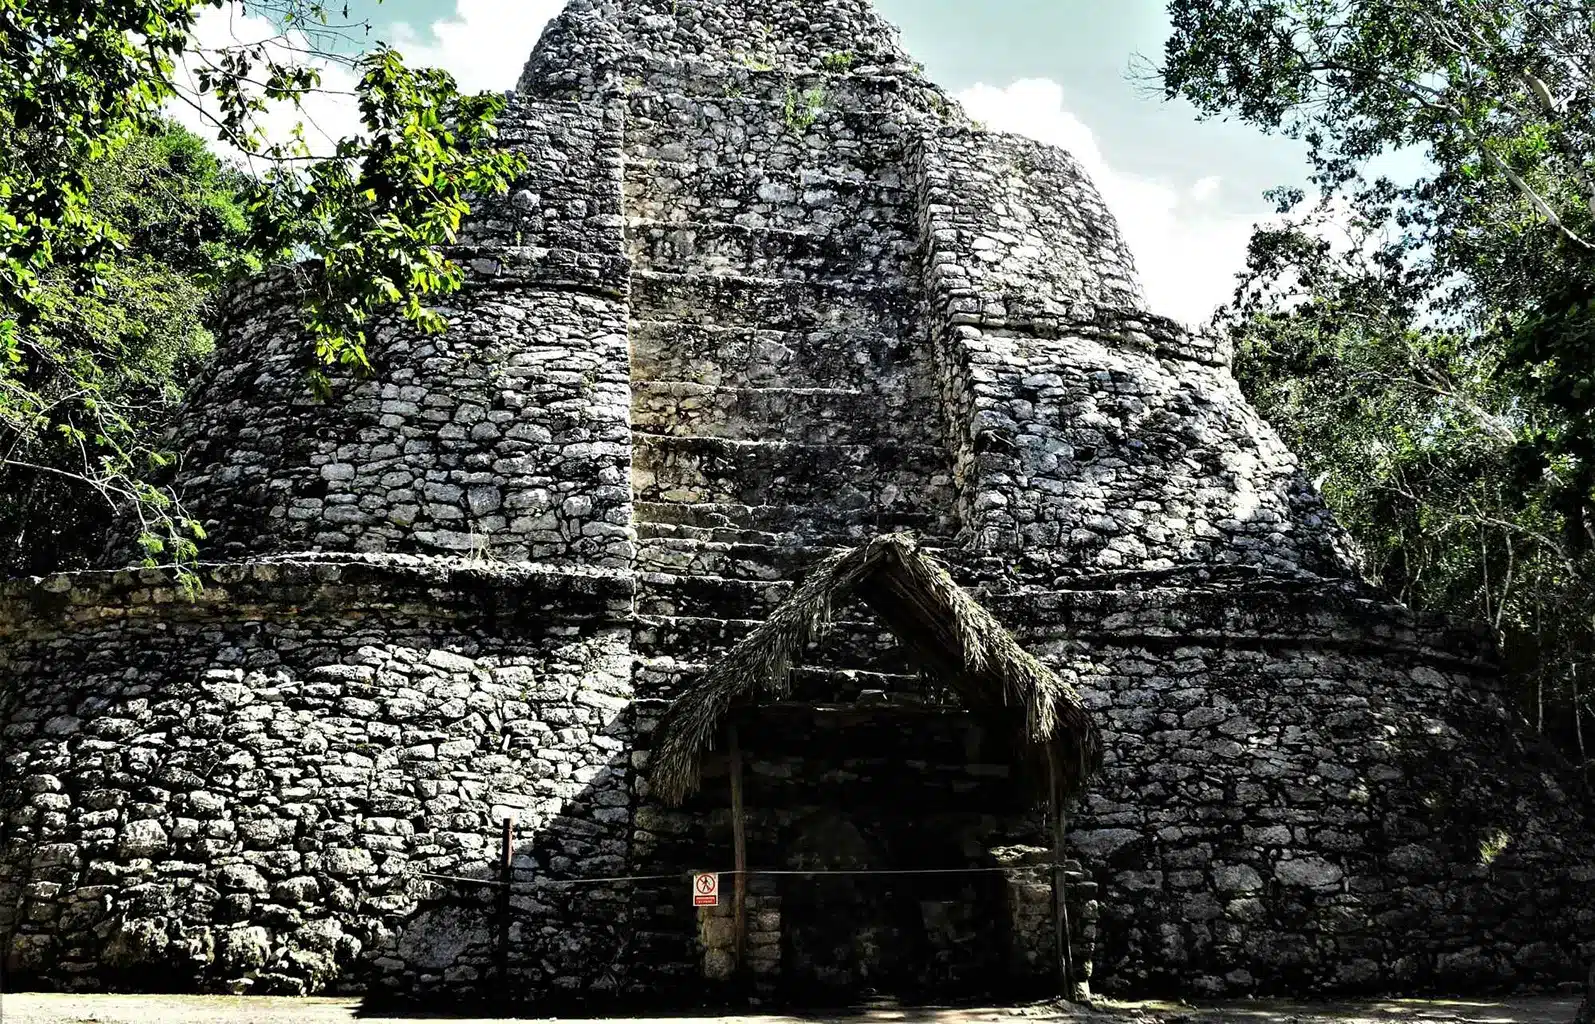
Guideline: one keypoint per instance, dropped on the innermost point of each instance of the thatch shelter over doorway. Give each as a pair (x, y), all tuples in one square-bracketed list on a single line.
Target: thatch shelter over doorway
[(1029, 718)]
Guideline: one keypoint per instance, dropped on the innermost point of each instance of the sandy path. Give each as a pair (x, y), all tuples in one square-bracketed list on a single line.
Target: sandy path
[(30, 1008)]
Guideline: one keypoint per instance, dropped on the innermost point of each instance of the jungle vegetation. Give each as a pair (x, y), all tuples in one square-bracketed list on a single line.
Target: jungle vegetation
[(1427, 343)]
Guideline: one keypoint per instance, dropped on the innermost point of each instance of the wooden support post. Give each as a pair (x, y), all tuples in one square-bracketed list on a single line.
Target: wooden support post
[(739, 841), (505, 877), (1060, 896)]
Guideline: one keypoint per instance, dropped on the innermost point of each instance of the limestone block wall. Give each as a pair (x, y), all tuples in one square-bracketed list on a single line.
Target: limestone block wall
[(1032, 944), (1306, 791), (507, 435), (784, 392), (773, 300), (761, 952), (1090, 454), (569, 195), (1088, 434), (240, 792), (1015, 231), (761, 293), (596, 44)]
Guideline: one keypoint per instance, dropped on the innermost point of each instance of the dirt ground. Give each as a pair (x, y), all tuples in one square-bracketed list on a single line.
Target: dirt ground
[(29, 1008)]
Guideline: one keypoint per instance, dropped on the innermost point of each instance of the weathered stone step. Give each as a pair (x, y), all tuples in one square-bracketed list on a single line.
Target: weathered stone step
[(744, 554), (817, 416), (770, 303), (844, 355), (854, 250), (736, 560), (724, 536), (852, 643), (880, 478), (744, 100), (711, 81), (847, 142), (879, 216), (711, 176), (890, 182), (669, 594), (815, 523), (668, 678)]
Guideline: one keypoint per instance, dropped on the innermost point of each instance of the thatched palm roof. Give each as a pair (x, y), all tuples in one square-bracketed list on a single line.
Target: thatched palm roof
[(945, 631)]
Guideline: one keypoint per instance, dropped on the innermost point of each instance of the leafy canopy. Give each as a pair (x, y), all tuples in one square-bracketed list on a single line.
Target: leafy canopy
[(1426, 344), (80, 84), (104, 367), (1497, 94)]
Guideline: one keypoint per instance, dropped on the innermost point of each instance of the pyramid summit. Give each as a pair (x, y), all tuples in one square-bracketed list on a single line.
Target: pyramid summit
[(765, 305), (597, 40)]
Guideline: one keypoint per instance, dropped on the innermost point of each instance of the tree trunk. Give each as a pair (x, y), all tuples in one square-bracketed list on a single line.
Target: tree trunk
[(1586, 1009)]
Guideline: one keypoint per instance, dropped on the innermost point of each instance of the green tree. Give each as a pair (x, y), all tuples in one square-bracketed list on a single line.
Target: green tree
[(105, 366), (1497, 94), (81, 337), (1435, 368), (1429, 454)]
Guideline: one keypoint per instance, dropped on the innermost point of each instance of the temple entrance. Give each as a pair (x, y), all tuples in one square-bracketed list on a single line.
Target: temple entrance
[(852, 936), (889, 846), (838, 935)]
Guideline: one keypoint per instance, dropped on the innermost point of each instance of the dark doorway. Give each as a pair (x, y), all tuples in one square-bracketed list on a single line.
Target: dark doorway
[(847, 937)]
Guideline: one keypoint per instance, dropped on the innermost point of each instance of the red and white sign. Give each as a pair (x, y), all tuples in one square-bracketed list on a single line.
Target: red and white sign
[(706, 890)]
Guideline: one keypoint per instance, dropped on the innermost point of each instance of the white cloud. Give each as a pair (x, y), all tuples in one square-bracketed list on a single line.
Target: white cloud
[(482, 43), (1186, 246), (328, 114)]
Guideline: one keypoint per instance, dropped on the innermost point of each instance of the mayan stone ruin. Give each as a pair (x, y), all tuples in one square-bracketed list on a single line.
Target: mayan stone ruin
[(764, 295)]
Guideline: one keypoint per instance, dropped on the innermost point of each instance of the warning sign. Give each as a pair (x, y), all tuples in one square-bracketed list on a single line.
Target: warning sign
[(706, 890)]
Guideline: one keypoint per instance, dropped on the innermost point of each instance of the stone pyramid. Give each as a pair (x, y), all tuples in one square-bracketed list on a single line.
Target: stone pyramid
[(763, 293)]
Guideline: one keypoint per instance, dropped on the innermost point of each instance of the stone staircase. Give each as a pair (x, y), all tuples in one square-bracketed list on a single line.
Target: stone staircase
[(783, 398)]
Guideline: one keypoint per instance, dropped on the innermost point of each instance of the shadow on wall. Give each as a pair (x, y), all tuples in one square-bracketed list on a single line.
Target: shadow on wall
[(362, 916), (559, 934), (819, 798), (1292, 813), (236, 796)]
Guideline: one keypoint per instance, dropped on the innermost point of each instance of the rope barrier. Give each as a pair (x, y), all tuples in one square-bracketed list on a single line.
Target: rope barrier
[(885, 871), (684, 875), (552, 881)]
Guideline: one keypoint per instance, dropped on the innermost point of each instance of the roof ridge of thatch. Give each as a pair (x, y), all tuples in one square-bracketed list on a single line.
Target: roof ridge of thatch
[(940, 624)]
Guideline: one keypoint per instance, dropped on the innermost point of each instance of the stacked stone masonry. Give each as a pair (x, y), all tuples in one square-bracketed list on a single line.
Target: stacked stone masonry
[(762, 292)]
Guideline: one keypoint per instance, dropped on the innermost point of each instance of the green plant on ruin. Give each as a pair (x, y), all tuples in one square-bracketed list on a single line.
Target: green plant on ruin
[(94, 307), (838, 61), (803, 109), (1493, 845), (762, 57)]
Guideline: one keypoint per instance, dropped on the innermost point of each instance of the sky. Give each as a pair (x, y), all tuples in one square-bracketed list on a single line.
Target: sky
[(1186, 192)]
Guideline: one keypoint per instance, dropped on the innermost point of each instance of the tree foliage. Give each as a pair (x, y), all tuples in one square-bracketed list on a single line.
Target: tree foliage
[(100, 298), (1426, 344), (98, 370)]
